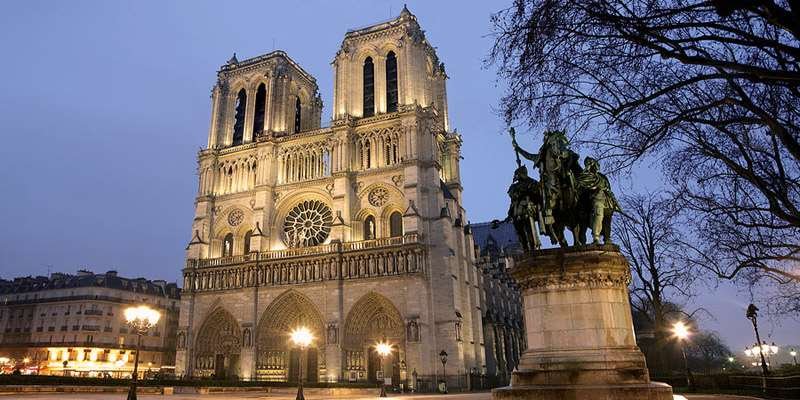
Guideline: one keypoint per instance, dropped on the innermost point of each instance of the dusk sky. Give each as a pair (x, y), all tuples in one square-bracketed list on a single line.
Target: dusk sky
[(104, 105)]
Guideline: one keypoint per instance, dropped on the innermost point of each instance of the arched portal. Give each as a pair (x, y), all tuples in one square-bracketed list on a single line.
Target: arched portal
[(373, 319), (218, 346), (276, 358)]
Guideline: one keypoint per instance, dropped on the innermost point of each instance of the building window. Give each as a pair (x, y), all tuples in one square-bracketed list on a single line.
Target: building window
[(391, 82), (369, 88), (297, 112), (258, 118), (369, 228), (247, 237), (396, 224), (227, 245), (238, 123)]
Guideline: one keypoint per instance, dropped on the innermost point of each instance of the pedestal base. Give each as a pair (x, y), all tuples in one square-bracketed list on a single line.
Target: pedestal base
[(579, 329), (644, 391)]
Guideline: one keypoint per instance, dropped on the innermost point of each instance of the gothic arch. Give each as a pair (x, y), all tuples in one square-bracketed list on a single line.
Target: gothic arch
[(370, 319), (288, 311), (219, 340)]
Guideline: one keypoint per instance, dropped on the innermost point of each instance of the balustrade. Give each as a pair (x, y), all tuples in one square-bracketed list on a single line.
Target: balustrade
[(351, 260)]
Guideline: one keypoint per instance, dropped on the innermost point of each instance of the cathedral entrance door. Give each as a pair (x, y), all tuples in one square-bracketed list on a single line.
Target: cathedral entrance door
[(294, 366), (219, 366), (310, 365), (373, 365)]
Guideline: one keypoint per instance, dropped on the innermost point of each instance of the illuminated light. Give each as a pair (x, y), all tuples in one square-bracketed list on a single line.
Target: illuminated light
[(680, 330), (143, 314), (4, 360), (26, 360), (302, 337), (93, 355), (383, 349)]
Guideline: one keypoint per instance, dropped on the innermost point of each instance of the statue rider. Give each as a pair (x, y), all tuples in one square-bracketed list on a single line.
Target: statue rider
[(552, 161), (524, 209), (603, 202)]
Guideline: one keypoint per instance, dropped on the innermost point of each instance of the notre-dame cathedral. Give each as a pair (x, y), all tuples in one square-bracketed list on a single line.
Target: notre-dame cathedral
[(356, 230)]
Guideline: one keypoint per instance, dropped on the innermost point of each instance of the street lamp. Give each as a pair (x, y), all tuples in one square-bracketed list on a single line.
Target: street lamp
[(383, 350), (443, 358), (752, 315), (302, 338), (794, 355), (140, 318), (681, 332)]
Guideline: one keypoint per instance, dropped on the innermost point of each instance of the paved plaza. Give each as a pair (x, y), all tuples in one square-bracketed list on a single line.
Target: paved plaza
[(460, 396)]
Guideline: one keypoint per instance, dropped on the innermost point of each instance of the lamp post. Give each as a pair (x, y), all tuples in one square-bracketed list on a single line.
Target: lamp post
[(794, 356), (302, 338), (140, 319), (383, 350), (752, 315), (681, 332), (443, 358)]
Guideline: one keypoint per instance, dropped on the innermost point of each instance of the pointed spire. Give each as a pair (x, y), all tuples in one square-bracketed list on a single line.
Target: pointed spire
[(404, 12), (233, 59)]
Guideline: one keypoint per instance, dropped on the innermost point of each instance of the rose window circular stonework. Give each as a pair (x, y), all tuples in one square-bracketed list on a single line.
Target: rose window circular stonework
[(307, 224), (235, 217), (378, 196)]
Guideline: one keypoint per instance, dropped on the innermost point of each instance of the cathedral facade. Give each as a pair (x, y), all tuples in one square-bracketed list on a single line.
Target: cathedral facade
[(355, 231)]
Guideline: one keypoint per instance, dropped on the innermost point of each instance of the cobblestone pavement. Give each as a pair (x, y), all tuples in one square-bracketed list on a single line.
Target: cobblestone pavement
[(252, 396)]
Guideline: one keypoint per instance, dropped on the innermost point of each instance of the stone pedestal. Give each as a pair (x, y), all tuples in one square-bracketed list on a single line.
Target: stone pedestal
[(581, 343)]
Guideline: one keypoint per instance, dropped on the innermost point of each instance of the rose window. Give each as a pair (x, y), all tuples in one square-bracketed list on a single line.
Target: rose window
[(307, 224), (378, 196), (235, 217)]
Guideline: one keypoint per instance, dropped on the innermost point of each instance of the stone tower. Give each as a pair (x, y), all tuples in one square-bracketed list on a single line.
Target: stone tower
[(355, 230)]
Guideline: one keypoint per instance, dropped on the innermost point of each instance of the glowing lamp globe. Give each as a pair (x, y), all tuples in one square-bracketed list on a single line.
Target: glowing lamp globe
[(302, 337)]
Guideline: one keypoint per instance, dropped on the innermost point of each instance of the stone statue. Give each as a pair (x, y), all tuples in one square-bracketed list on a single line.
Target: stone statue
[(603, 203), (524, 211), (568, 196), (558, 167)]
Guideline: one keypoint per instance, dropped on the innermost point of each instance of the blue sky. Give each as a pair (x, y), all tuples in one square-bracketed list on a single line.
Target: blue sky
[(104, 104)]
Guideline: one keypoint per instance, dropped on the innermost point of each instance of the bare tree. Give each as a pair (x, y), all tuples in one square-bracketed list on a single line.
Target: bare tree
[(649, 238), (707, 352), (710, 88)]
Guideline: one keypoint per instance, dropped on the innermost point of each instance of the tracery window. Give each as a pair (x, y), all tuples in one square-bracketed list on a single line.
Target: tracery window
[(369, 88), (307, 224), (391, 82), (227, 245), (395, 224), (258, 117), (238, 124), (297, 111)]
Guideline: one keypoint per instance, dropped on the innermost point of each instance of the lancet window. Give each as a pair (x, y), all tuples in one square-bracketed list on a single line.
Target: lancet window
[(369, 88), (297, 115), (378, 149), (238, 123), (258, 115), (395, 224), (232, 176), (305, 162), (391, 82)]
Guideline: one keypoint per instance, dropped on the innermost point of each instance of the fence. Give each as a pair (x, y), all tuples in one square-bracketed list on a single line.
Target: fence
[(780, 387)]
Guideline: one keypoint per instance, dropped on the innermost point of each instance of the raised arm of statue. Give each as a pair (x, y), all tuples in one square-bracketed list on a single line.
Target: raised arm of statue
[(530, 156), (520, 151)]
